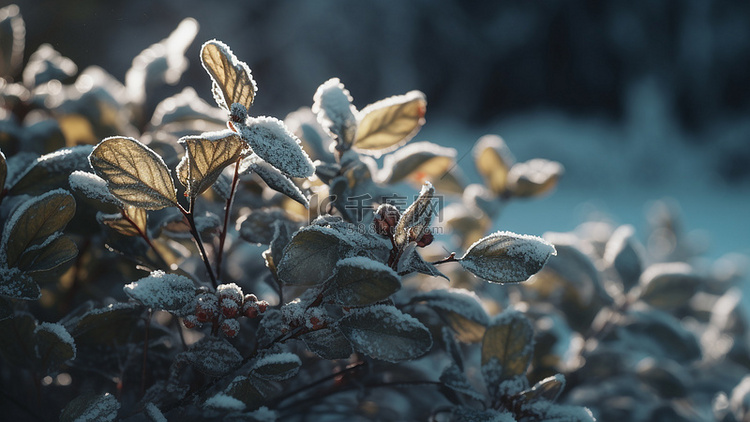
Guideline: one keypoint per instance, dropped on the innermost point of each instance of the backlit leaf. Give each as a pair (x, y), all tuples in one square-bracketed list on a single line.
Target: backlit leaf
[(205, 157), (493, 160), (548, 388), (534, 177), (135, 174), (275, 144), (59, 251), (232, 80), (132, 221), (461, 309), (509, 341), (417, 163), (33, 221), (415, 221), (383, 332), (333, 106), (361, 281), (389, 123), (505, 257)]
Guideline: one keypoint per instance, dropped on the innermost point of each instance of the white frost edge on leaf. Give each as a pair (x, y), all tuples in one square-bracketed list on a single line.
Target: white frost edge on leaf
[(159, 287), (60, 332), (224, 402), (154, 413), (366, 263), (389, 315), (264, 414), (92, 186), (332, 103), (103, 409), (17, 213), (456, 300), (428, 149), (277, 359), (496, 143), (519, 247), (391, 101), (283, 149)]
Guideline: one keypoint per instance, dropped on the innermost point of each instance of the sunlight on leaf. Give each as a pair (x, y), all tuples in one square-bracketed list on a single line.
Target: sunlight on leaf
[(232, 80), (131, 223), (493, 160), (332, 103), (205, 157), (387, 124), (509, 341)]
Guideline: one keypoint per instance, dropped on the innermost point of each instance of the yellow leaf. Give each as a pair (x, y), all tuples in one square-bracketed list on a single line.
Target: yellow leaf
[(135, 174), (390, 123), (493, 160), (205, 157), (509, 339), (131, 222), (534, 177), (232, 80)]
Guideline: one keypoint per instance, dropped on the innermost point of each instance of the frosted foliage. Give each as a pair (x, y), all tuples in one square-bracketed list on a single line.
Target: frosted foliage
[(154, 413), (63, 159), (60, 332), (558, 413), (14, 283), (275, 144), (91, 186), (224, 402), (366, 263), (333, 105), (264, 414), (170, 292), (507, 257), (740, 399), (460, 301), (277, 359), (231, 291), (101, 409)]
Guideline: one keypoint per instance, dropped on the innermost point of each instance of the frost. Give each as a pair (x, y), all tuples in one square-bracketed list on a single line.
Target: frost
[(224, 402), (460, 301), (507, 257), (14, 283), (366, 263), (154, 413), (230, 291), (274, 179), (60, 332), (272, 141), (92, 186), (333, 105), (160, 290), (91, 408), (264, 414), (277, 366)]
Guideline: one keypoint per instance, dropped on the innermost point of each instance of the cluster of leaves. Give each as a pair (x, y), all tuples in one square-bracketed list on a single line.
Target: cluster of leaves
[(214, 266)]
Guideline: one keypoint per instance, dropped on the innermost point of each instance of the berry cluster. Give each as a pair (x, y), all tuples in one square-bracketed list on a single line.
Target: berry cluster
[(224, 307)]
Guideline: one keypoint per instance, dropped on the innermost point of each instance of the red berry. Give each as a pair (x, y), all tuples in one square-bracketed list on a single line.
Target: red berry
[(262, 306), (230, 291), (250, 298), (230, 327), (250, 310), (190, 321), (426, 239), (229, 308)]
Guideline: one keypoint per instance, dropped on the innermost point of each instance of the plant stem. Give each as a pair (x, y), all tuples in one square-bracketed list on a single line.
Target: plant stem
[(334, 375), (227, 210), (197, 237), (451, 258)]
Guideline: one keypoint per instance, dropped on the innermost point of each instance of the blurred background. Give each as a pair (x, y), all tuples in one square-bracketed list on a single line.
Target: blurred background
[(639, 100)]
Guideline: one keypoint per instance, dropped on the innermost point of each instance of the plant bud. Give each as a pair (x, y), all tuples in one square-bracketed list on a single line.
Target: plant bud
[(230, 327), (426, 239), (386, 218), (250, 310), (262, 306)]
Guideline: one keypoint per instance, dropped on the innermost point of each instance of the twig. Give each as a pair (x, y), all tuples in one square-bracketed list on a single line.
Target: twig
[(197, 237), (350, 368), (227, 210), (451, 258)]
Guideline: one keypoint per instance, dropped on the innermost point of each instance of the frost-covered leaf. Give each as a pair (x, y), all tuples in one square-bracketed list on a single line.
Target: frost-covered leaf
[(451, 347), (415, 221), (668, 285), (328, 343), (624, 253), (563, 413), (509, 343), (534, 177), (46, 64), (94, 189), (333, 106), (277, 366), (454, 378), (170, 292), (361, 281), (206, 155), (657, 334), (469, 414), (411, 261), (461, 309), (383, 332), (131, 221), (57, 251), (186, 107), (135, 174), (231, 79), (666, 377), (91, 408), (33, 222), (153, 413), (493, 160), (282, 235), (258, 226), (319, 248), (274, 143), (54, 346), (249, 390), (213, 356), (12, 40), (505, 257), (50, 171), (105, 325), (223, 402), (17, 285), (548, 388), (275, 179), (389, 123)]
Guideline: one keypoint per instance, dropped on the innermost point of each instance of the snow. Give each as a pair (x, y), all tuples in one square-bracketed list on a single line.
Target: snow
[(365, 263), (278, 359), (154, 413), (231, 291), (224, 402), (461, 301), (160, 290), (333, 105), (271, 140), (60, 332), (91, 186), (64, 159)]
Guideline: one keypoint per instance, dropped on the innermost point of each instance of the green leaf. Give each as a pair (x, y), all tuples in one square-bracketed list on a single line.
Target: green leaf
[(170, 292), (509, 341), (281, 238), (259, 227), (383, 332), (419, 162), (493, 160), (625, 253), (461, 309), (250, 390), (389, 123), (107, 325), (231, 79), (51, 171), (17, 285), (548, 388), (91, 408), (59, 251), (328, 343), (33, 222), (318, 248), (54, 346), (361, 281), (411, 261), (213, 356), (135, 174), (415, 221), (669, 285), (205, 157), (277, 366), (505, 257)]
